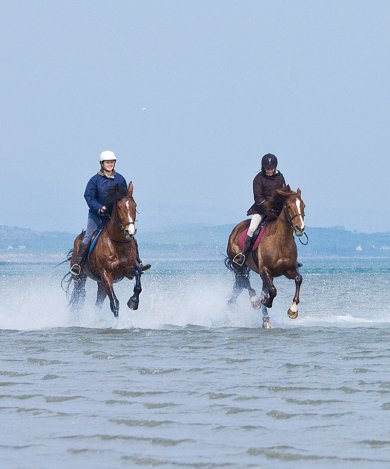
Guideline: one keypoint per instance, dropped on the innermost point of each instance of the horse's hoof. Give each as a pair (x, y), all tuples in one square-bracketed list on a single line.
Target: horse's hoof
[(255, 302), (292, 314), (132, 304), (116, 314), (266, 324)]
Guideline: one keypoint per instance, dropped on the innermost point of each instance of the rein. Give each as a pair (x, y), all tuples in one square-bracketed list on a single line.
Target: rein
[(290, 222), (307, 239)]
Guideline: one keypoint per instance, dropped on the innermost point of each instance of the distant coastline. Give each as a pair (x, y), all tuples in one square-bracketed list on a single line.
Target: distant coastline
[(190, 241)]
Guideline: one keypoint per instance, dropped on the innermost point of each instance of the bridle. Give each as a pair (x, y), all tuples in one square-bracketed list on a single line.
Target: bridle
[(125, 232), (298, 233)]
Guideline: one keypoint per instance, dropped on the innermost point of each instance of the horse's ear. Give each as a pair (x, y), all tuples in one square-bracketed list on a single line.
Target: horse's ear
[(130, 189), (288, 188), (299, 191)]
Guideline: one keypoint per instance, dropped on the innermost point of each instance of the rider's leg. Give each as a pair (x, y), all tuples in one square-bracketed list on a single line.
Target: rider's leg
[(92, 225), (254, 224), (142, 265)]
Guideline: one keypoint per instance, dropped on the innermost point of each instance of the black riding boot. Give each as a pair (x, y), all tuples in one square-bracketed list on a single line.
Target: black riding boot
[(142, 265), (75, 269), (240, 258)]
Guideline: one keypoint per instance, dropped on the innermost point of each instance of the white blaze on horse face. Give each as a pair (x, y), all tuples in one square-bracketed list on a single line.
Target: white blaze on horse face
[(130, 228), (302, 223)]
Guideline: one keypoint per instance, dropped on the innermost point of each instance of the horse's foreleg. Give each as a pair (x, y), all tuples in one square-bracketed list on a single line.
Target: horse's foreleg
[(101, 294), (107, 284), (293, 310), (134, 300), (78, 294), (269, 289)]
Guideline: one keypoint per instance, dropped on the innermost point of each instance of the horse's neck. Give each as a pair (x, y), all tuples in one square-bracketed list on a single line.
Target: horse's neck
[(113, 228), (283, 228)]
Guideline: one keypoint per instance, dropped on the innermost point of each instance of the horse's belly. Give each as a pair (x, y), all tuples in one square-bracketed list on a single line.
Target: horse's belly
[(117, 279)]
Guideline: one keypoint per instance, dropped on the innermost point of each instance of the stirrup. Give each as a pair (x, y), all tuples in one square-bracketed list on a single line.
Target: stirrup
[(239, 259), (145, 267), (75, 270)]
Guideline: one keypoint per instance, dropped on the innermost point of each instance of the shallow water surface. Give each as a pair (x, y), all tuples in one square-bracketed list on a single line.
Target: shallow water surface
[(188, 382)]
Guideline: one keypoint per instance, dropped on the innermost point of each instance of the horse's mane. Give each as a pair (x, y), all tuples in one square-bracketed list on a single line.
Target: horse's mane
[(114, 194), (276, 202), (279, 197)]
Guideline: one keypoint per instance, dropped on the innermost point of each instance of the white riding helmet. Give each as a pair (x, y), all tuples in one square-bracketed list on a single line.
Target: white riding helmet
[(106, 156)]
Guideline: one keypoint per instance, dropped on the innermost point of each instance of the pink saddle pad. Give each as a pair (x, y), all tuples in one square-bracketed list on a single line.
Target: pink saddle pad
[(242, 238)]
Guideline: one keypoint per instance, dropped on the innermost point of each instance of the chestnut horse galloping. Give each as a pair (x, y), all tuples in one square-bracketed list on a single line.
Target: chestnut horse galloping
[(114, 256), (276, 255)]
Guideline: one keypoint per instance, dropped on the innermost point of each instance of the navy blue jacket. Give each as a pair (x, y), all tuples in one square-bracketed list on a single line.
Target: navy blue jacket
[(97, 190)]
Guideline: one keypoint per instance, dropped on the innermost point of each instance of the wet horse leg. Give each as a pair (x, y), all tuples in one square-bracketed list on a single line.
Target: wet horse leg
[(293, 310), (266, 320), (242, 281), (134, 299), (239, 281), (107, 284), (78, 294), (101, 294), (269, 289)]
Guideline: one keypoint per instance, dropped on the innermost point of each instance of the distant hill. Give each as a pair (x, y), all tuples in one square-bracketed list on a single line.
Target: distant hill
[(323, 242), (192, 241), (15, 239)]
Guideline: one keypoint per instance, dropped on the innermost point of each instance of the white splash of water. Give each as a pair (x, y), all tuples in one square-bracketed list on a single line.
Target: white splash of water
[(36, 301)]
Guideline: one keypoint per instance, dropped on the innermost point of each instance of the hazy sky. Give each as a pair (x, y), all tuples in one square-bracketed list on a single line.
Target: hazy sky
[(190, 95)]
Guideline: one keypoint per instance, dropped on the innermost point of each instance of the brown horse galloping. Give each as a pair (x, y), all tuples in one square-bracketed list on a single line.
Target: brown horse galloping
[(114, 256), (275, 256)]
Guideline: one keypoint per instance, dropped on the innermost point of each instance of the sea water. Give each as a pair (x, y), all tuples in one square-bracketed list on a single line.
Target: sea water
[(189, 382)]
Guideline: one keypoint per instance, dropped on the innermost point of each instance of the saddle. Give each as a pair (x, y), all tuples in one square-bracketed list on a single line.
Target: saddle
[(257, 237), (94, 239)]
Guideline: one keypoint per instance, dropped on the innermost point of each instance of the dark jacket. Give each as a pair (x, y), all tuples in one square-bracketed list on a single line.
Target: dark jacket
[(97, 190), (263, 186)]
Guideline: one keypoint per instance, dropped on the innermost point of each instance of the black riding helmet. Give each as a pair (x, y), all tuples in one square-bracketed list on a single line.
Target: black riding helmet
[(269, 161)]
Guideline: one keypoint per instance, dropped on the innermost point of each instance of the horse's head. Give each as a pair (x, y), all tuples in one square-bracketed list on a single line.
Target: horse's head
[(295, 212), (294, 209), (124, 210)]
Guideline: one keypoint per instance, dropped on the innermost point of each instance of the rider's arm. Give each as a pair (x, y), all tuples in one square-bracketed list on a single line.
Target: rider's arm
[(90, 196), (122, 181), (283, 181), (258, 191)]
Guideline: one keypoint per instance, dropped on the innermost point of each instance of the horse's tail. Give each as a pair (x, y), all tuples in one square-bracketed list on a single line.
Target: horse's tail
[(68, 258), (229, 264), (235, 268), (66, 280)]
